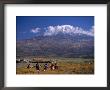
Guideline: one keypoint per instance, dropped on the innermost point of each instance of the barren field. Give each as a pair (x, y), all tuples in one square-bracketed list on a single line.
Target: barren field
[(65, 66)]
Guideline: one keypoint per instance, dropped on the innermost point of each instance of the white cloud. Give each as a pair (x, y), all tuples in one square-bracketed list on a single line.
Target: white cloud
[(36, 30), (67, 29)]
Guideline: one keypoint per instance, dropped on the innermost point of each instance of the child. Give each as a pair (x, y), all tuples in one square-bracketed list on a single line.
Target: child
[(45, 66), (56, 67), (28, 66), (37, 68), (52, 66)]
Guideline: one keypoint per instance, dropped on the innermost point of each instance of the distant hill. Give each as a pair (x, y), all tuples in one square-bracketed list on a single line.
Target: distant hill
[(60, 45)]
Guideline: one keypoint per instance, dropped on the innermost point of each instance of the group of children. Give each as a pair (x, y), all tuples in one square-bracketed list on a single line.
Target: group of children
[(46, 66)]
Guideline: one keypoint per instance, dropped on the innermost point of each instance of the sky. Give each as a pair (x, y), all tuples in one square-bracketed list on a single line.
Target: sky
[(31, 26)]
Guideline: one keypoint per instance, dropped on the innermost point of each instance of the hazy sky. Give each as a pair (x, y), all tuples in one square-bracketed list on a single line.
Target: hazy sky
[(30, 26)]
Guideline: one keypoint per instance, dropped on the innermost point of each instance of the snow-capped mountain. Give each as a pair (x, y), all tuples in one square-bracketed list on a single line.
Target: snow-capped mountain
[(59, 41)]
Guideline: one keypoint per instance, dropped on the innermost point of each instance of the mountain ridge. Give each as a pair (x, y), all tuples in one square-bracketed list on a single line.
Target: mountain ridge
[(60, 45)]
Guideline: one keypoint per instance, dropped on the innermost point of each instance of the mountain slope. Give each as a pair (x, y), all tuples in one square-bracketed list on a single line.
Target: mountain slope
[(60, 45)]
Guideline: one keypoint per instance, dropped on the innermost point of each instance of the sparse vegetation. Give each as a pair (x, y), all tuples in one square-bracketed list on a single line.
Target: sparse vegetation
[(65, 66)]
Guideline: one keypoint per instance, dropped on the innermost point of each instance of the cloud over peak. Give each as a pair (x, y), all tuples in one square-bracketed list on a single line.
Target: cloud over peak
[(67, 29), (64, 29)]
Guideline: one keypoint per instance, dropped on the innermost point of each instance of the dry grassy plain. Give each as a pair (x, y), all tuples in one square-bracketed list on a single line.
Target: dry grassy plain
[(65, 66)]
